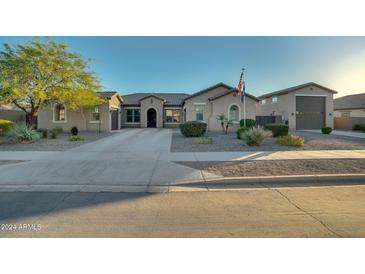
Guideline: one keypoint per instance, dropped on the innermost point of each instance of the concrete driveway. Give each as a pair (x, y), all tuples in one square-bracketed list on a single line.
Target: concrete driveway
[(130, 160)]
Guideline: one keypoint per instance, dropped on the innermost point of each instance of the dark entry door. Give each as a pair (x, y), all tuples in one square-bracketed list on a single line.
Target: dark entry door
[(114, 117), (310, 112), (151, 118)]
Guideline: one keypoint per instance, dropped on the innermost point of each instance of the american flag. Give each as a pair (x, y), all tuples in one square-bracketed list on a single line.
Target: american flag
[(241, 87)]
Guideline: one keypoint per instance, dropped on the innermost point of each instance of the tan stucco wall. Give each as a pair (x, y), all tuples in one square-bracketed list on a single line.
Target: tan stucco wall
[(286, 105), (222, 105), (80, 118), (218, 106), (157, 104), (353, 112)]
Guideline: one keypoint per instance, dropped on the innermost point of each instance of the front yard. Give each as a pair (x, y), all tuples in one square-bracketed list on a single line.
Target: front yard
[(221, 142), (281, 167), (61, 143)]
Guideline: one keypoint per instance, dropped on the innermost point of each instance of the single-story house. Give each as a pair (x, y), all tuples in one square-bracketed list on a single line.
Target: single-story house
[(307, 106), (105, 117), (349, 110)]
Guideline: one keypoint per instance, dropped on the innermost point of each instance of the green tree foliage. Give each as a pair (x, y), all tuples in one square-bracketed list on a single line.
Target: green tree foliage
[(39, 72)]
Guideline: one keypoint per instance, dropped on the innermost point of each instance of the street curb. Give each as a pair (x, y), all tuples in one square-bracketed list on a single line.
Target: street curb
[(323, 178)]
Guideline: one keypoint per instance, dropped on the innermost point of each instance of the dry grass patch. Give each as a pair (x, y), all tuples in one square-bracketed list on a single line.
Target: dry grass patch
[(202, 140)]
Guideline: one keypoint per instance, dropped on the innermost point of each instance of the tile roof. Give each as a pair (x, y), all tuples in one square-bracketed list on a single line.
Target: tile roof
[(230, 91), (288, 90), (207, 89), (107, 94), (354, 101), (172, 99)]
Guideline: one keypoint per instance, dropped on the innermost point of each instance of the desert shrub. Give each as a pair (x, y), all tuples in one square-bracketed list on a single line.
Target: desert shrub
[(74, 131), (202, 140), (250, 123), (74, 138), (326, 130), (23, 133), (53, 134), (240, 130), (193, 128), (290, 140), (360, 127), (277, 129), (5, 126), (255, 136), (58, 130), (43, 132)]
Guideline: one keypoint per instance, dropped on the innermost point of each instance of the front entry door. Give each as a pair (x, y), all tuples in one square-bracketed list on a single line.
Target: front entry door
[(151, 117)]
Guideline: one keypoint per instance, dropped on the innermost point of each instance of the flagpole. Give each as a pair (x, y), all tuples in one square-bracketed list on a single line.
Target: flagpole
[(244, 100)]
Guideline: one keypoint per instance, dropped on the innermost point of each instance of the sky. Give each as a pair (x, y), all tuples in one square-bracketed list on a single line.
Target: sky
[(190, 64)]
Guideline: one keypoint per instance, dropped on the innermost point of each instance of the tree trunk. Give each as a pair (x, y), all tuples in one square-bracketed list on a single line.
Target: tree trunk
[(222, 124)]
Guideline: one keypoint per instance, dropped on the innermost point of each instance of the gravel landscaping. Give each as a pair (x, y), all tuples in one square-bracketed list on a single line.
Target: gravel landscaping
[(221, 142), (60, 144), (281, 167)]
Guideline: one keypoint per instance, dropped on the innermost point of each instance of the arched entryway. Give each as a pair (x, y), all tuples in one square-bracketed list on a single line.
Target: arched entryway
[(151, 118)]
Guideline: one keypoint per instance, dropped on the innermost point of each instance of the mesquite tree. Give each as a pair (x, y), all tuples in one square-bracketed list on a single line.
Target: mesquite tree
[(40, 72)]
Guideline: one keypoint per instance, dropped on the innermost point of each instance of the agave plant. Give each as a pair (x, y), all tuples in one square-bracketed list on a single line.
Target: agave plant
[(23, 133)]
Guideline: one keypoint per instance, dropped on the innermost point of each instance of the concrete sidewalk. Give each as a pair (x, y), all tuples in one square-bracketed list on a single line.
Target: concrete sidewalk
[(341, 133), (73, 155)]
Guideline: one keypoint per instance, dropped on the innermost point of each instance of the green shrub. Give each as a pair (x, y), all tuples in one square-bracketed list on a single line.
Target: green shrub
[(74, 131), (193, 128), (58, 130), (250, 123), (240, 130), (326, 130), (360, 127), (290, 140), (43, 132), (53, 134), (23, 133), (255, 136), (202, 140), (5, 126), (74, 138), (277, 129)]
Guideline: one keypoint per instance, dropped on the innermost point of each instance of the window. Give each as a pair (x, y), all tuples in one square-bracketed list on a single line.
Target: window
[(274, 99), (59, 113), (233, 113), (172, 116), (199, 112), (95, 115), (132, 115), (263, 102)]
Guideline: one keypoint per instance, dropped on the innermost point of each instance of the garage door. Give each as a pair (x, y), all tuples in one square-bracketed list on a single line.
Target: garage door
[(310, 112)]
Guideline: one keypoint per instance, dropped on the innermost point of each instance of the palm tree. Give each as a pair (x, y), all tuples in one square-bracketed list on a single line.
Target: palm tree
[(221, 118), (228, 123)]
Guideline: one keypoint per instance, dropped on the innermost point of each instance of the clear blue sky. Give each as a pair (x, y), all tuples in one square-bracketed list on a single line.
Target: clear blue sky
[(188, 64)]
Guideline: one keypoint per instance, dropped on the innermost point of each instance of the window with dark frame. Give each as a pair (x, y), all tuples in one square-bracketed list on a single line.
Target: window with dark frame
[(133, 116), (95, 115), (172, 116), (59, 113)]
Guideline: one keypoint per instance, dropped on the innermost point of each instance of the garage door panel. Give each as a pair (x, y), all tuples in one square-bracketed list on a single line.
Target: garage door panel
[(310, 112)]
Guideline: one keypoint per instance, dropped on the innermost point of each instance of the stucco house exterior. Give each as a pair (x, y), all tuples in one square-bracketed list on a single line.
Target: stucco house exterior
[(348, 111), (105, 117), (306, 106)]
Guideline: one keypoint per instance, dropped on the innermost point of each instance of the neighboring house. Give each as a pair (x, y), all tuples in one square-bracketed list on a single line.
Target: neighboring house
[(105, 117), (349, 110), (307, 106), (12, 113)]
